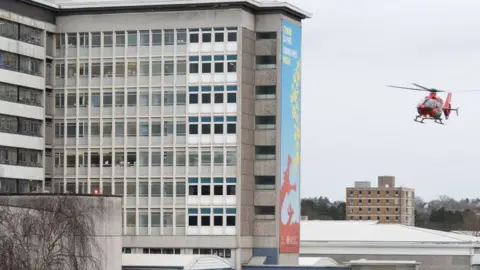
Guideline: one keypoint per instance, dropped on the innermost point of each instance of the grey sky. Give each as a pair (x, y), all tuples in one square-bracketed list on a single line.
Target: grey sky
[(354, 128)]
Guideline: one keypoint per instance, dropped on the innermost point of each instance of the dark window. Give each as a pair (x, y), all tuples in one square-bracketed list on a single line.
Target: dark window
[(231, 128), (205, 220), (217, 190), (193, 129), (206, 98), (218, 128), (206, 37), (232, 97), (232, 67), (193, 190), (230, 220), (192, 221), (218, 97), (206, 68), (193, 68), (193, 37), (231, 189), (266, 35), (206, 129), (217, 220), (219, 37), (219, 67), (232, 37), (205, 190), (193, 99)]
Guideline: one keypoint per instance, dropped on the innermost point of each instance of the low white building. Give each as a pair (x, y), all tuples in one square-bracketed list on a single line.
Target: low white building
[(180, 262), (344, 241)]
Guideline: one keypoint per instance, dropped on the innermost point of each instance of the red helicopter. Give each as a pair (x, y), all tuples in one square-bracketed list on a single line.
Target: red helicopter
[(432, 106)]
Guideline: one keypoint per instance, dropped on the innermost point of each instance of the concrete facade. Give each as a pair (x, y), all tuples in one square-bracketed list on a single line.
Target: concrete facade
[(104, 97)]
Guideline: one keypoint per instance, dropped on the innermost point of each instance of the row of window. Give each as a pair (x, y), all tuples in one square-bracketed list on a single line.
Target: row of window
[(369, 210), (21, 63), (387, 218), (20, 156), (145, 128), (20, 94), (10, 185), (20, 125), (145, 38), (167, 188), (133, 99), (378, 201), (215, 64), (208, 128), (211, 217), (218, 157), (156, 218), (144, 68), (221, 252), (21, 32)]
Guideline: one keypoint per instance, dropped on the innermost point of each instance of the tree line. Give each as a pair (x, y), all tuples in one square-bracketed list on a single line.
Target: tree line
[(444, 213)]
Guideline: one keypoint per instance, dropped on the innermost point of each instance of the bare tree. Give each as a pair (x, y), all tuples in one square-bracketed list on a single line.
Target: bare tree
[(471, 223), (49, 232)]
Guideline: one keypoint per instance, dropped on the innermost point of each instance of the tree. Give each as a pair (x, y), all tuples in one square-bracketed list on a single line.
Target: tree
[(49, 232), (471, 223)]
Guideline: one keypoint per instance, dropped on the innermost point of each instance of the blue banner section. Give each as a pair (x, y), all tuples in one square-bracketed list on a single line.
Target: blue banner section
[(290, 137)]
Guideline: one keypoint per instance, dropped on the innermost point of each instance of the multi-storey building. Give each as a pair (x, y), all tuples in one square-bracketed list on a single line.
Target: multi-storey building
[(177, 106), (385, 203)]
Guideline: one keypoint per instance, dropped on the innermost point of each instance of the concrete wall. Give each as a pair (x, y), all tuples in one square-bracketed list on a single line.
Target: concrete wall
[(427, 262), (294, 268)]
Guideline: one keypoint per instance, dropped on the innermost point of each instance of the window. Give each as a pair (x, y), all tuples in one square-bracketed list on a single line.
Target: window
[(193, 38), (168, 158), (107, 39), (168, 128), (181, 67), (119, 99), (143, 129), (107, 70), (180, 189), (156, 68), (265, 182), (96, 40), (95, 70), (132, 69), (192, 158), (218, 128), (181, 36), (132, 38), (265, 122), (181, 97), (107, 129), (231, 158), (156, 128), (231, 97), (119, 70), (119, 129), (72, 40), (169, 37), (264, 152), (10, 61), (95, 129), (95, 100), (83, 69), (120, 39), (218, 157), (193, 68), (232, 36), (192, 217), (206, 158), (206, 98), (206, 67), (144, 38), (131, 129), (218, 67), (206, 37), (193, 98), (206, 129), (132, 99), (266, 61), (30, 66), (10, 30), (156, 159), (180, 158), (265, 92), (156, 37), (219, 36), (218, 98), (107, 100), (168, 189), (144, 68), (8, 92), (169, 68), (266, 35)]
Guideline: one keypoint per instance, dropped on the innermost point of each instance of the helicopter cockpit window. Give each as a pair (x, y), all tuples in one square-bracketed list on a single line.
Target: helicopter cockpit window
[(433, 104)]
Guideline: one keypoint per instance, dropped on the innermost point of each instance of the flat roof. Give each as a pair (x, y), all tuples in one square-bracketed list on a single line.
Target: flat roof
[(180, 261), (256, 5), (373, 232)]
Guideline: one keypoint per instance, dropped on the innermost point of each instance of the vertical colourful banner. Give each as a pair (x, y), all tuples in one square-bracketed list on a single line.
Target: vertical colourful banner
[(290, 138)]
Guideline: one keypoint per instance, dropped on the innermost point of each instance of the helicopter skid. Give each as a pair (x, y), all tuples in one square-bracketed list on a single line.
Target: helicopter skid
[(422, 119)]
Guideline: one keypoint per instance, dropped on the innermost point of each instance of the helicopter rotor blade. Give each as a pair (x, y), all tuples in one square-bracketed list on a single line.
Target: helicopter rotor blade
[(407, 88), (423, 87)]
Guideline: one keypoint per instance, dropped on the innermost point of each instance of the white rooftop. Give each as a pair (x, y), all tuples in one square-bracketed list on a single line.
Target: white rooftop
[(371, 231), (175, 261), (76, 4)]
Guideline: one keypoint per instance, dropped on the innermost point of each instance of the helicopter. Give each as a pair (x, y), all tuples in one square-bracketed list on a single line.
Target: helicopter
[(432, 106)]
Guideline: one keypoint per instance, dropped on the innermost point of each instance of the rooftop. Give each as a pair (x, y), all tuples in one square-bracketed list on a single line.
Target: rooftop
[(259, 5), (373, 232)]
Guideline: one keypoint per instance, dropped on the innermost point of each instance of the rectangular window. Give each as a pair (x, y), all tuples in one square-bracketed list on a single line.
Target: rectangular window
[(263, 92), (107, 39), (206, 158), (156, 37), (120, 39), (119, 70), (192, 158), (169, 68), (169, 36), (266, 61), (96, 40), (266, 35), (181, 67), (132, 38), (264, 152), (181, 36), (144, 38)]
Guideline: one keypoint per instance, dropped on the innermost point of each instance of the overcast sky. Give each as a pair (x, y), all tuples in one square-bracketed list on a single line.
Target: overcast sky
[(354, 128)]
